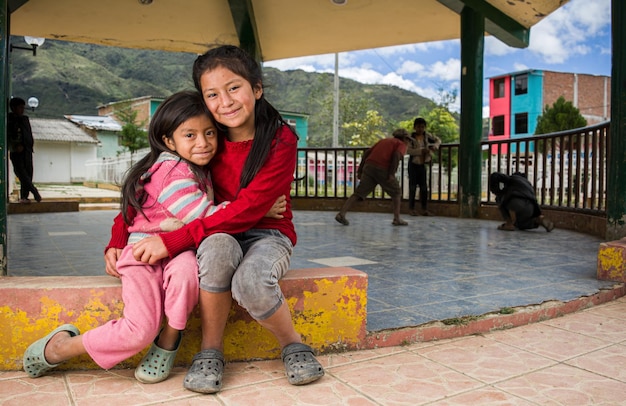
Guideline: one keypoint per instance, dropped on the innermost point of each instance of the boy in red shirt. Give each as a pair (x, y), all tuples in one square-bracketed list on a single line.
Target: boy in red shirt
[(378, 167)]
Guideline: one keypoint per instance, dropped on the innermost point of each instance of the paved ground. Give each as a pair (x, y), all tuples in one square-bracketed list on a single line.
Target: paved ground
[(579, 359)]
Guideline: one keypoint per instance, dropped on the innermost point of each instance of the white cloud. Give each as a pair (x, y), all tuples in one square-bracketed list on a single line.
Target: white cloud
[(562, 34), (519, 67), (495, 47), (306, 63), (447, 71), (410, 67), (411, 48), (368, 76)]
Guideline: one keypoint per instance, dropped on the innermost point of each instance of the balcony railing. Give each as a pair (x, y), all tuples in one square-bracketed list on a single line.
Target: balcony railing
[(568, 169)]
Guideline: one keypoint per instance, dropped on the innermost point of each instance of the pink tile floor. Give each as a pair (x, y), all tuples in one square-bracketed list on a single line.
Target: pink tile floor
[(578, 359)]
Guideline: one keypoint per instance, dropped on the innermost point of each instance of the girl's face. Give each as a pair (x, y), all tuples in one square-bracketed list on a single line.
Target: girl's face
[(231, 100), (195, 140)]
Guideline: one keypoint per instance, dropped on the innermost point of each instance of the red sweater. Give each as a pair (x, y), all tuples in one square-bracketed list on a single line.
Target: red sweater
[(248, 207)]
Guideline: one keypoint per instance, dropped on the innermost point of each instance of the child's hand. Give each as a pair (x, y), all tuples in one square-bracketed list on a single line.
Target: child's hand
[(280, 206), (110, 260), (150, 250)]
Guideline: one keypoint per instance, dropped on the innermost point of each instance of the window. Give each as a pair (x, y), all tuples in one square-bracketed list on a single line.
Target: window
[(521, 123), (521, 84), (498, 125), (498, 88)]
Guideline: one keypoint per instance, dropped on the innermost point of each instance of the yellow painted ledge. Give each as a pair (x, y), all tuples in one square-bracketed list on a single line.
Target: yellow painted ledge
[(329, 308), (612, 261)]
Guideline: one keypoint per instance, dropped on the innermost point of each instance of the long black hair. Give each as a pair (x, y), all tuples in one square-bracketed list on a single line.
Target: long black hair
[(267, 119), (174, 111)]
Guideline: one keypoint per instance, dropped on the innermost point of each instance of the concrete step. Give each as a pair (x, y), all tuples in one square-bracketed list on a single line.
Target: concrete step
[(328, 306)]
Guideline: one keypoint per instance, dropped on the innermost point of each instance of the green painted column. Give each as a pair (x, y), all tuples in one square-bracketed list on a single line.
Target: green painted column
[(470, 161), (4, 87), (245, 24), (616, 180)]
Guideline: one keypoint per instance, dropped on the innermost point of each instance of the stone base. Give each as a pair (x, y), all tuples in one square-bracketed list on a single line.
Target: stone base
[(328, 308), (612, 261)]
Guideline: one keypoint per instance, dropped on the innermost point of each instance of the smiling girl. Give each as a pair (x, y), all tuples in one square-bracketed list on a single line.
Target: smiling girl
[(241, 253), (167, 189)]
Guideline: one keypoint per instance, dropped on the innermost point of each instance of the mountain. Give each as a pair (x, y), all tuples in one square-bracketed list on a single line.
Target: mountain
[(75, 78)]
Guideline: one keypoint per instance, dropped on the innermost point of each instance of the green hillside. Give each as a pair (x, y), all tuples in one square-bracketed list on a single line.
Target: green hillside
[(73, 78)]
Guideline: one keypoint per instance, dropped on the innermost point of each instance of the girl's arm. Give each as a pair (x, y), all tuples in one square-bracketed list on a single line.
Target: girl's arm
[(119, 238), (196, 203), (251, 203)]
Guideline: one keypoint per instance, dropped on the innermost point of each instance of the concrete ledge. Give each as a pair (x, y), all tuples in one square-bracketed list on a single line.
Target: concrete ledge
[(461, 327), (42, 207), (612, 261), (328, 307)]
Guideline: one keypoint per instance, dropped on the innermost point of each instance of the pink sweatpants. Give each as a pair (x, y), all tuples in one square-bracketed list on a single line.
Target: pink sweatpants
[(148, 292)]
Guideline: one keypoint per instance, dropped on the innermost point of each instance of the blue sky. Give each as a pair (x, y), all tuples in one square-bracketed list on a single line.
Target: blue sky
[(575, 38)]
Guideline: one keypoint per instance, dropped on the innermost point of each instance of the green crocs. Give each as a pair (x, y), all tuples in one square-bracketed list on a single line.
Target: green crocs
[(301, 366), (34, 361), (157, 364)]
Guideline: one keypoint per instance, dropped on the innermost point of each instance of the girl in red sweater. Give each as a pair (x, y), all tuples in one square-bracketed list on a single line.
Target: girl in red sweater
[(241, 253)]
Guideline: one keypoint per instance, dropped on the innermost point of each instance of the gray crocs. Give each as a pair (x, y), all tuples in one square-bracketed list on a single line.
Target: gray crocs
[(205, 374), (157, 364), (301, 366), (34, 361)]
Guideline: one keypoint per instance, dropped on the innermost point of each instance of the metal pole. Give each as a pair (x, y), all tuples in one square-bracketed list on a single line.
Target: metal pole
[(616, 179), (4, 87), (470, 154), (336, 104)]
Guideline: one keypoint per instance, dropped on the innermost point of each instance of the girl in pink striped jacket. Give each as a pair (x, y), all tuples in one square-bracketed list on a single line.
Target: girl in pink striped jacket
[(168, 188)]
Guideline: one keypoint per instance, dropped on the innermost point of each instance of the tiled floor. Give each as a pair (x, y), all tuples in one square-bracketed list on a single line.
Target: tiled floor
[(578, 359), (436, 268)]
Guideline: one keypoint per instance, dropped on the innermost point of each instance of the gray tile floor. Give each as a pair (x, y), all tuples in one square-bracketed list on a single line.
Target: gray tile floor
[(435, 268)]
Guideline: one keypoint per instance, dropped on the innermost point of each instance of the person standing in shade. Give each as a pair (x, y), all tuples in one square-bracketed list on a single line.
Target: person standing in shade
[(378, 167), (421, 151), (21, 148)]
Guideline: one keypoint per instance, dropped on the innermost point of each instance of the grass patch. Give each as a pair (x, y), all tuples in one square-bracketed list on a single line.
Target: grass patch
[(460, 321)]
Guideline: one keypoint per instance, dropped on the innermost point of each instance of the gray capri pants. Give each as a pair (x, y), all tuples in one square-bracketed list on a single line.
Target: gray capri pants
[(248, 264)]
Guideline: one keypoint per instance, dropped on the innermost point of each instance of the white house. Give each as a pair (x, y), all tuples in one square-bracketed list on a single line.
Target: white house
[(61, 152), (105, 129)]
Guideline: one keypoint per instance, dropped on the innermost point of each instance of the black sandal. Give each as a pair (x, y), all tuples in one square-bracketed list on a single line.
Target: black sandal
[(301, 366), (205, 374)]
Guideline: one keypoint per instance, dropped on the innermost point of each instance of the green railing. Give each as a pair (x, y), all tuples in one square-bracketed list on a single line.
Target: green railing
[(567, 168)]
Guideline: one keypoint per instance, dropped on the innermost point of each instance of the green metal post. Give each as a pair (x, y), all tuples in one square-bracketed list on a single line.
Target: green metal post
[(470, 154), (616, 179), (245, 23), (4, 86)]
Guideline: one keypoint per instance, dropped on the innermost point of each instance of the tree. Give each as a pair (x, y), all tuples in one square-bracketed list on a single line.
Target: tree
[(360, 122), (133, 137), (365, 131), (563, 115)]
